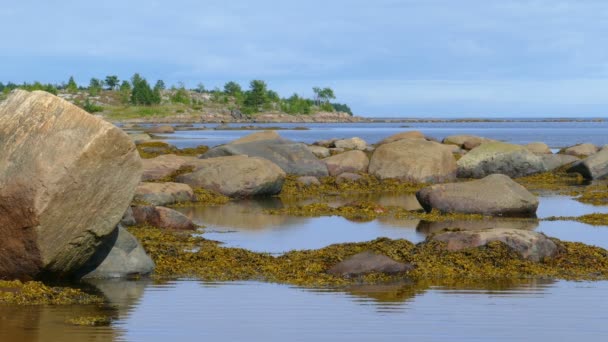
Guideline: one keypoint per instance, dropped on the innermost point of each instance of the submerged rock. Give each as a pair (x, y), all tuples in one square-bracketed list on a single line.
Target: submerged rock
[(163, 193), (401, 136), (161, 129), (529, 244), (66, 179), (308, 180), (350, 161), (497, 157), (293, 158), (369, 262), (495, 195), (593, 167), (120, 256), (413, 160), (236, 176), (161, 217)]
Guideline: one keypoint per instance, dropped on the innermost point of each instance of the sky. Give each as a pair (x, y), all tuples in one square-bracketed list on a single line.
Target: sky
[(385, 58)]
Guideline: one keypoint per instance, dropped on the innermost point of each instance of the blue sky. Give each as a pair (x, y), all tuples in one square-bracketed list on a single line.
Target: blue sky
[(423, 58)]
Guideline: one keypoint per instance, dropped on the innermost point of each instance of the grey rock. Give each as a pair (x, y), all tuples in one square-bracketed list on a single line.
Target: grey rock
[(164, 193), (294, 158), (593, 167), (497, 157), (495, 195), (555, 161), (369, 262)]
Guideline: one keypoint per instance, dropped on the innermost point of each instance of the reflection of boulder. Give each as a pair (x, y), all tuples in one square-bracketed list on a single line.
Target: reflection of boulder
[(240, 214), (407, 202), (389, 220), (388, 293), (428, 227), (121, 294)]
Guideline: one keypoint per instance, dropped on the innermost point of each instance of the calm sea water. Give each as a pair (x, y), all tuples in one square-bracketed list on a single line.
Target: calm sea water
[(190, 310), (554, 134)]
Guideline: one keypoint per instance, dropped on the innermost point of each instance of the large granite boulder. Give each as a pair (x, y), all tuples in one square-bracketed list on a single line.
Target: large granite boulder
[(351, 144), (293, 158), (257, 136), (66, 179), (413, 160), (593, 167), (538, 148), (528, 244), (369, 262), (498, 157), (163, 193), (236, 176), (350, 161), (161, 217), (401, 136), (467, 142), (119, 256), (495, 195), (580, 150)]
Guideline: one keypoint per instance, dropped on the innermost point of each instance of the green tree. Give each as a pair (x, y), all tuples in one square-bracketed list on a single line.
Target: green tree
[(256, 97), (112, 82), (200, 88), (323, 95), (160, 85), (95, 86), (125, 92), (142, 94), (71, 87), (233, 89)]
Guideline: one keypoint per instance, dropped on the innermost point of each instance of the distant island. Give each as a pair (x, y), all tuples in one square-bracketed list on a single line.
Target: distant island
[(135, 100)]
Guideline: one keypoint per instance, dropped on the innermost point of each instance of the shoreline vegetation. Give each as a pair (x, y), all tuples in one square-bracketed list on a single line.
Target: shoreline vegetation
[(135, 100)]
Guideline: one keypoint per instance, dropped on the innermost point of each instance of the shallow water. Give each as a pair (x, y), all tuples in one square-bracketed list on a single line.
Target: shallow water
[(244, 224), (186, 310), (555, 134)]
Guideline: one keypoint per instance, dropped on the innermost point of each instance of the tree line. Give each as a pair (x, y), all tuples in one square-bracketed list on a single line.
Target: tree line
[(137, 91)]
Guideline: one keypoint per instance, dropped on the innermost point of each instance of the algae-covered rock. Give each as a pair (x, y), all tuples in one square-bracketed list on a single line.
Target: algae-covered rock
[(66, 179), (308, 180), (163, 193), (163, 129), (495, 195), (120, 256), (369, 262), (350, 161), (294, 158), (529, 244), (413, 160), (593, 167), (236, 176), (498, 157)]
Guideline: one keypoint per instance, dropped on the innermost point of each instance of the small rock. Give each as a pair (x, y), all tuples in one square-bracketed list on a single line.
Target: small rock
[(161, 129), (369, 262), (164, 193), (347, 177), (319, 151), (162, 217), (581, 150), (467, 142), (538, 148), (351, 144)]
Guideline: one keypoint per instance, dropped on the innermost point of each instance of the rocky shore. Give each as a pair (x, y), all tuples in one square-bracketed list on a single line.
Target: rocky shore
[(81, 199)]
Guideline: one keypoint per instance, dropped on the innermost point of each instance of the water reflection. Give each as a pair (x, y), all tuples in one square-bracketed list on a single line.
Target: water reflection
[(427, 227)]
